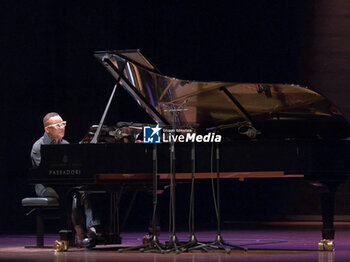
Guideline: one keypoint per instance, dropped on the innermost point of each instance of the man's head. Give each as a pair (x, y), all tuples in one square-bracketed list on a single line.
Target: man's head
[(54, 126)]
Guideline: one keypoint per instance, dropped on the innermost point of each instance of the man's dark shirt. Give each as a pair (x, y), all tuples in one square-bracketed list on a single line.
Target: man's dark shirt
[(36, 149)]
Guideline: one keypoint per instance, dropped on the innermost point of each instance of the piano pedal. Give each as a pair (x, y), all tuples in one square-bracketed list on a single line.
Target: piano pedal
[(326, 245)]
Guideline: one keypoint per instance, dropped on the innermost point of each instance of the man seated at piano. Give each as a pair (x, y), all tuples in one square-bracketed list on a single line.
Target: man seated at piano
[(83, 218)]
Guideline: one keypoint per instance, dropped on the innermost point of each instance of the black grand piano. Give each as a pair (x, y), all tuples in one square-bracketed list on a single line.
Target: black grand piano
[(266, 130)]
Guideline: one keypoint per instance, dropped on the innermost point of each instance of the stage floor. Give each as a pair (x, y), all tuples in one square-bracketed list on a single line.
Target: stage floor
[(271, 242)]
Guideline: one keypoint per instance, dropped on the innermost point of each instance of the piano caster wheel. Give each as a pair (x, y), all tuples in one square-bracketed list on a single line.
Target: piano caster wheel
[(326, 245), (60, 246)]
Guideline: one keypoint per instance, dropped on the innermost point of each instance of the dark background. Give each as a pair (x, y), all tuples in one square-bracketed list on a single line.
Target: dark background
[(47, 64)]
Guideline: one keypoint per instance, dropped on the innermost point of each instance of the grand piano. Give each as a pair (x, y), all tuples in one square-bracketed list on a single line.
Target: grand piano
[(266, 130)]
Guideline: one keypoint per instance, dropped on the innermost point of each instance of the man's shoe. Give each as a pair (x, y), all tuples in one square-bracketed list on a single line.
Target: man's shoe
[(91, 233), (86, 242)]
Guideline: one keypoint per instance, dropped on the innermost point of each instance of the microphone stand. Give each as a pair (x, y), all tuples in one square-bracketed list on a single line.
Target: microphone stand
[(193, 243), (153, 245), (219, 243), (173, 244)]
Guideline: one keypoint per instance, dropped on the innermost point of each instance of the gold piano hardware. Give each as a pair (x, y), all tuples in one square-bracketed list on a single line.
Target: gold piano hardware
[(326, 245), (60, 246)]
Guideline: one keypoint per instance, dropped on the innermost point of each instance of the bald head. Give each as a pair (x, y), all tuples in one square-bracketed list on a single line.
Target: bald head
[(54, 126), (47, 118)]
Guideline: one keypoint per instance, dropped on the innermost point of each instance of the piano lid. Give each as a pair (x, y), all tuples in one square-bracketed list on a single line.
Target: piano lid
[(206, 105)]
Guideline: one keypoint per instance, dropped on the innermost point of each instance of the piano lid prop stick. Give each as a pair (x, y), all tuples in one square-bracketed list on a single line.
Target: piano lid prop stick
[(97, 133)]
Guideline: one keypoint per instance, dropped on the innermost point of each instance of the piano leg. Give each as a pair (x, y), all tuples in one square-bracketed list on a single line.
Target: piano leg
[(327, 194), (67, 234), (114, 236)]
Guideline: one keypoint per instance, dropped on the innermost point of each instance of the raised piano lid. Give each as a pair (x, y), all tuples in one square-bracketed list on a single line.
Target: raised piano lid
[(205, 105)]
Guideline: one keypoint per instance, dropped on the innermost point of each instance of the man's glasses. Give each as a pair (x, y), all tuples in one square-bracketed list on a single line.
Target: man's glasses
[(58, 125)]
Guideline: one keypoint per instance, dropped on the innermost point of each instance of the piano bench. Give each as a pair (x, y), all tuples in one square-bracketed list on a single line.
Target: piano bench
[(38, 205)]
